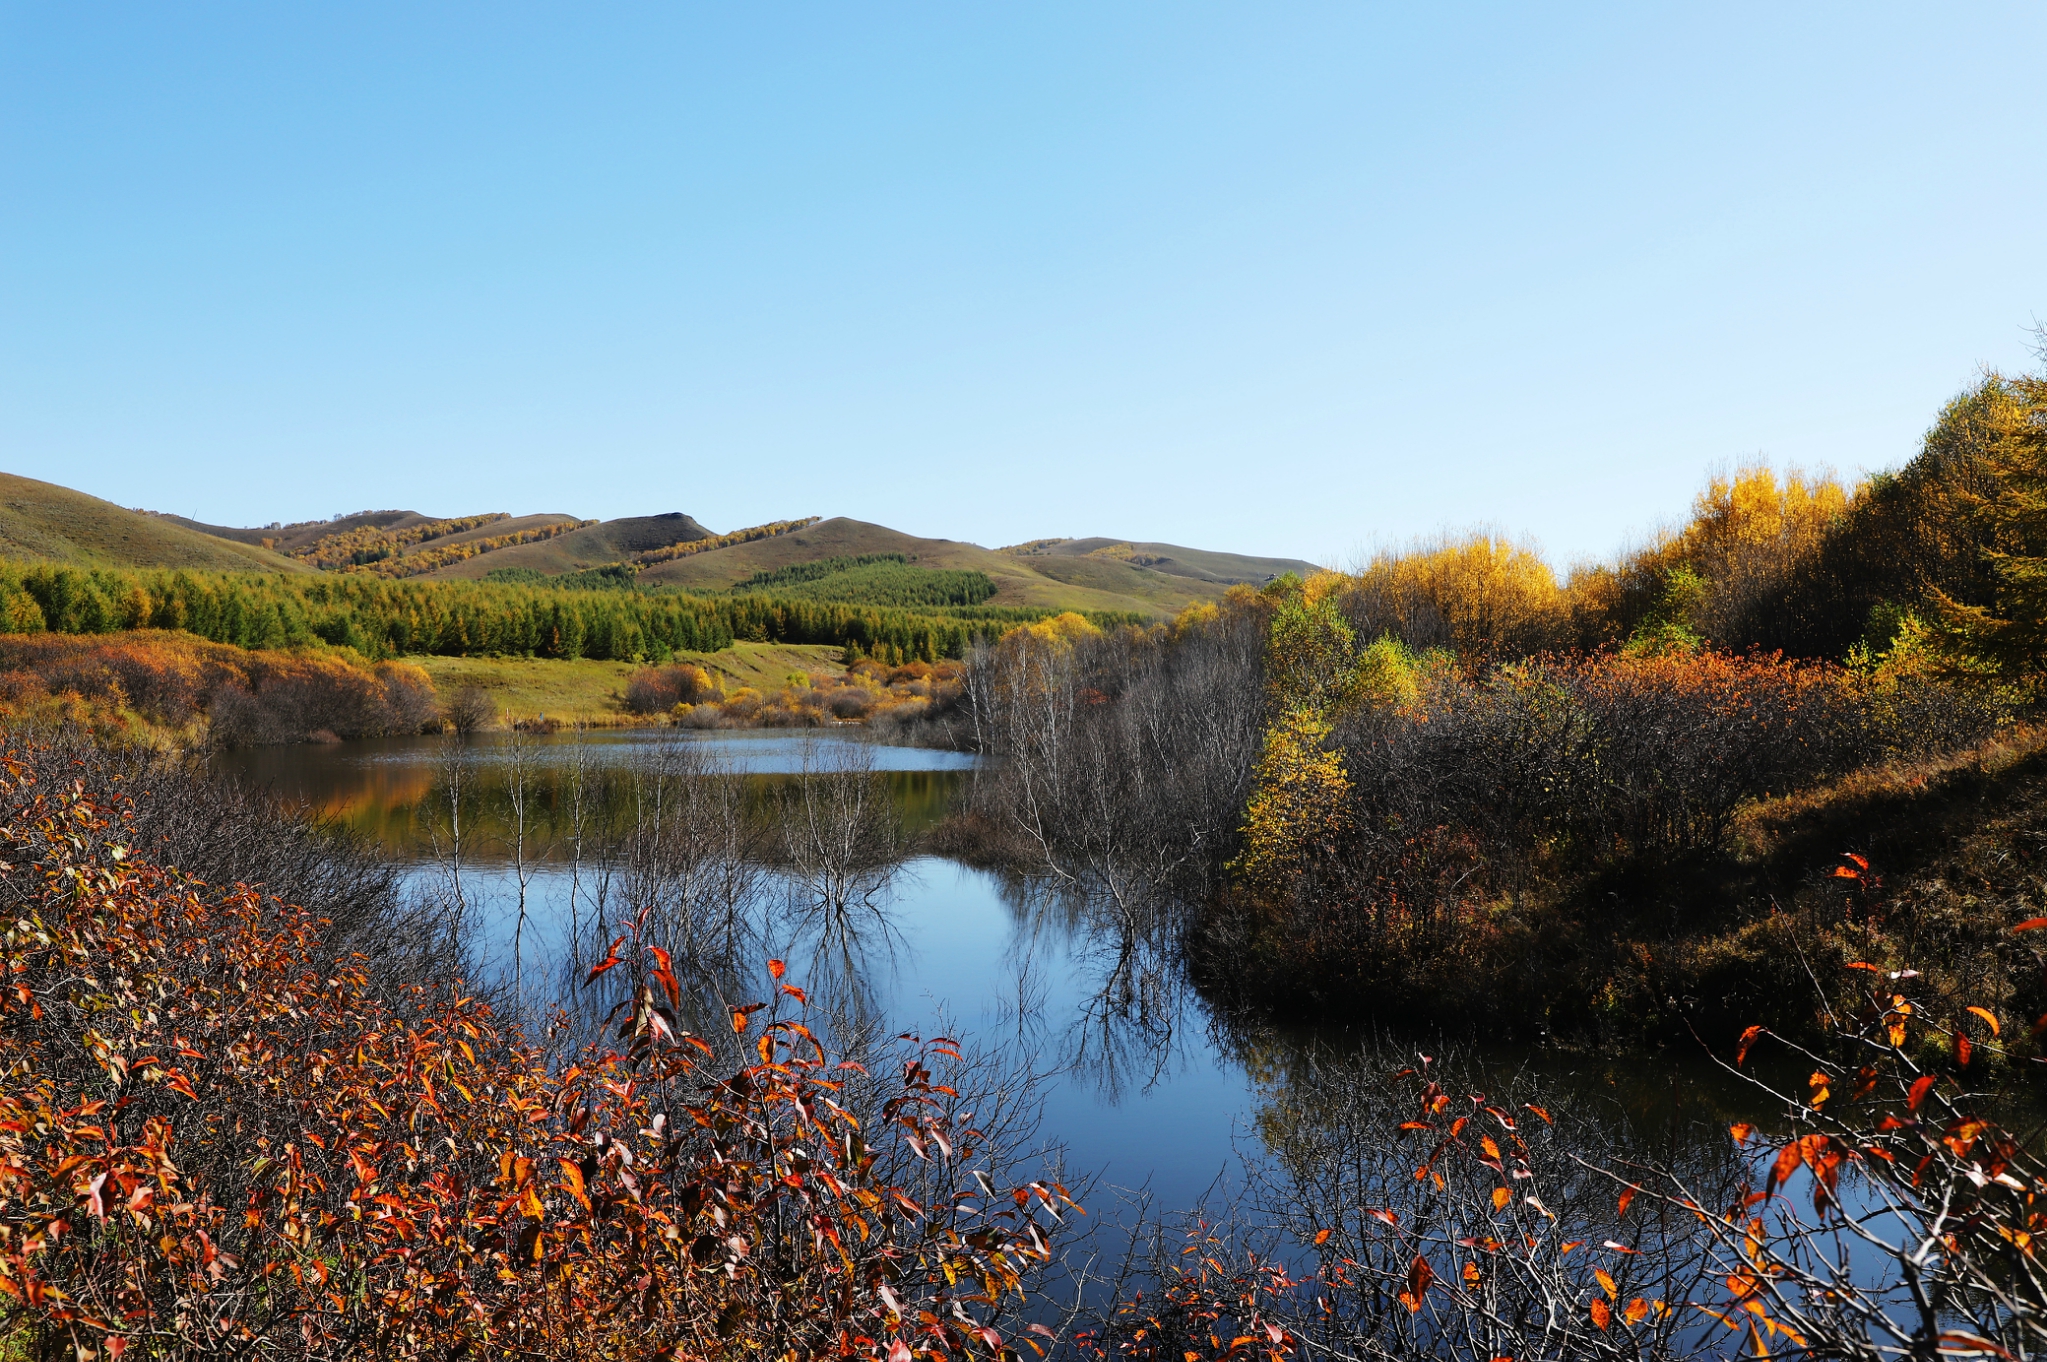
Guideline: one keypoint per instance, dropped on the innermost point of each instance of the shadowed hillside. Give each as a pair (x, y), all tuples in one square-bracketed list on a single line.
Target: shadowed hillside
[(43, 520)]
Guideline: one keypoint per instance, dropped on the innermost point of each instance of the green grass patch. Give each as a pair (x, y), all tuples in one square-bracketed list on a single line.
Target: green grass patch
[(586, 691)]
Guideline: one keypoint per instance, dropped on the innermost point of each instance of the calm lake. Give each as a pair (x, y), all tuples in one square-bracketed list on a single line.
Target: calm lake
[(1142, 1084)]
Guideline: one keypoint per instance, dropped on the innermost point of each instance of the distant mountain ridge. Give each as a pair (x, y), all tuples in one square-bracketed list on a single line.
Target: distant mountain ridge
[(43, 521)]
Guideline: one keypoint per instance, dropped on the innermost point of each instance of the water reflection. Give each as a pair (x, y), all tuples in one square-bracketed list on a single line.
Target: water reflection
[(725, 851), (383, 788)]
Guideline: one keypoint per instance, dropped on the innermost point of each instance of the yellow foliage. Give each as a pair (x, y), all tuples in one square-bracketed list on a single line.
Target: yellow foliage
[(1750, 531), (1480, 594), (1753, 509), (1195, 617), (1387, 673), (1298, 804), (1062, 630)]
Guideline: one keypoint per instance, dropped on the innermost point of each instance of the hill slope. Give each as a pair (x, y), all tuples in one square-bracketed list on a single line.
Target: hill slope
[(608, 541), (1174, 560), (1056, 583), (43, 520), (301, 534)]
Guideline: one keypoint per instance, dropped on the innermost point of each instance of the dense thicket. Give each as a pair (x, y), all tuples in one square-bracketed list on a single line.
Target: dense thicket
[(1789, 562), (221, 1137), (150, 688), (1454, 768)]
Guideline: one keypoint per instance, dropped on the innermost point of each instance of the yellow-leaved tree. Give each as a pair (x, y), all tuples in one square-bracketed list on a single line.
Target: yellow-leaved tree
[(1299, 806)]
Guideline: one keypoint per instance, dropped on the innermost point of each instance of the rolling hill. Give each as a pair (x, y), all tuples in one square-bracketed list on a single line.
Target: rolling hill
[(1173, 560), (1046, 580), (608, 541), (39, 520), (42, 520)]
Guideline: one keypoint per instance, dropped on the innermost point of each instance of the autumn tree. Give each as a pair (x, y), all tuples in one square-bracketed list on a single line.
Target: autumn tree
[(2007, 636)]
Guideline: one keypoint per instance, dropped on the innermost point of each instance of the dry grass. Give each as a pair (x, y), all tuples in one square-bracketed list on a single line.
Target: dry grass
[(41, 520)]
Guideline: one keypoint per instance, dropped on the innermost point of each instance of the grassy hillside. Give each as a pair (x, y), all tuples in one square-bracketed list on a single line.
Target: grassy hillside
[(1047, 582), (301, 534), (610, 541), (1174, 560), (43, 520)]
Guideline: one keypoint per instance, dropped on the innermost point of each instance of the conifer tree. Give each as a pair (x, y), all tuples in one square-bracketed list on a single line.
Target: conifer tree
[(2008, 638)]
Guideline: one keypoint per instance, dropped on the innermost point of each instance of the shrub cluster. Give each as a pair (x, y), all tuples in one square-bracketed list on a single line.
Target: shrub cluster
[(867, 691), (216, 1140), (150, 686)]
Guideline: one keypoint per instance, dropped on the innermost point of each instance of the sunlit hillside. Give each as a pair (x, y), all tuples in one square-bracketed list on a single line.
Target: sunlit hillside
[(42, 520)]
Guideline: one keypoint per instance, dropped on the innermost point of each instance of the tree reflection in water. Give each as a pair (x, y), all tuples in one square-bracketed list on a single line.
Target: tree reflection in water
[(1127, 1031)]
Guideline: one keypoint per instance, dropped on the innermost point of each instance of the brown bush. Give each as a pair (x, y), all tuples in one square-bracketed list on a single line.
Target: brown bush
[(657, 690), (472, 708), (248, 697), (849, 702)]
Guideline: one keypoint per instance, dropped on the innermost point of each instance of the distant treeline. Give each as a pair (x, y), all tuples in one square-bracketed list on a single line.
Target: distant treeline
[(383, 618), (873, 579)]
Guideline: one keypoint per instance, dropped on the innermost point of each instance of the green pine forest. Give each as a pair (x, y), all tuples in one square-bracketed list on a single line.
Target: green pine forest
[(381, 618)]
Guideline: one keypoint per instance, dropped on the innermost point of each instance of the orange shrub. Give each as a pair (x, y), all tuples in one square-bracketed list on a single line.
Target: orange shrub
[(214, 1141)]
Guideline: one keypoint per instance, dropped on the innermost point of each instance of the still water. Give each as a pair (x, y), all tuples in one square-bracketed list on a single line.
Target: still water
[(1136, 1089), (1143, 1085)]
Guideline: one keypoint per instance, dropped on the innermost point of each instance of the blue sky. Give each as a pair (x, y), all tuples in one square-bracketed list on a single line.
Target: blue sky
[(1292, 279)]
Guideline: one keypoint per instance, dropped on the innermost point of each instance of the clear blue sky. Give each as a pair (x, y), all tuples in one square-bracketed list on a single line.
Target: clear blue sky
[(1275, 278)]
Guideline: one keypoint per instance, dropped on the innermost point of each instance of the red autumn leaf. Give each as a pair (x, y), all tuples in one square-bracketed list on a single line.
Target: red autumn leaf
[(1748, 1038), (1419, 1277), (572, 1177), (1601, 1315), (1787, 1164), (1920, 1087), (2031, 924), (606, 963), (778, 969)]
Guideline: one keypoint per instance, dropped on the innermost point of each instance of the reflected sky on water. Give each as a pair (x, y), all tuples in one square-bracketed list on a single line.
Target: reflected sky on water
[(1144, 1088)]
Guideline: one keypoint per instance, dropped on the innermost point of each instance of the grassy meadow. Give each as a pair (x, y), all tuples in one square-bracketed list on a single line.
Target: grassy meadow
[(593, 693)]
